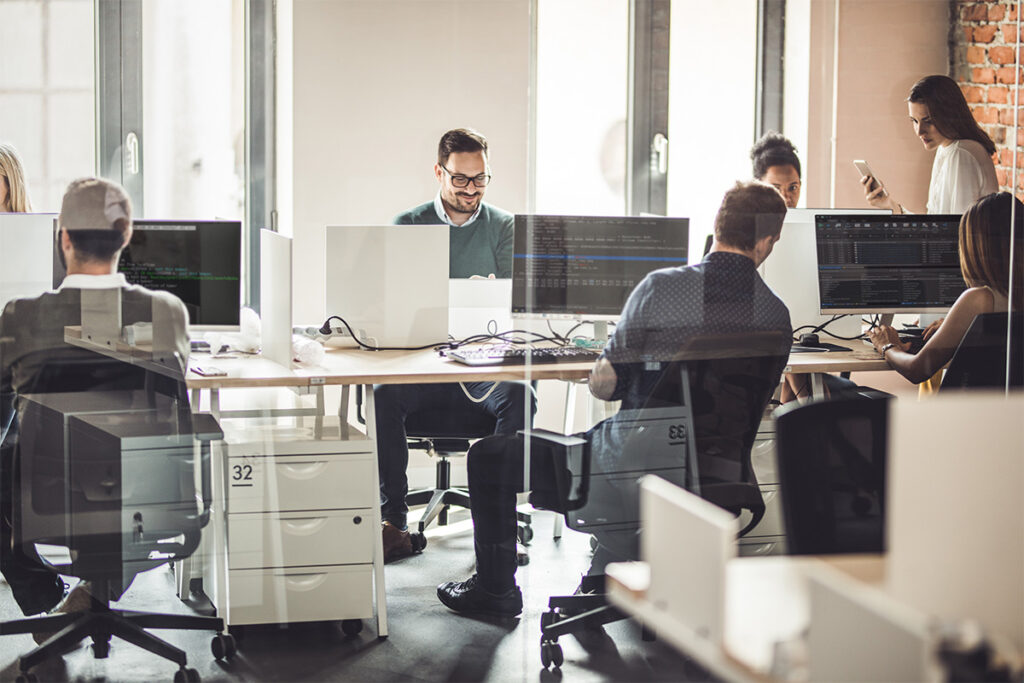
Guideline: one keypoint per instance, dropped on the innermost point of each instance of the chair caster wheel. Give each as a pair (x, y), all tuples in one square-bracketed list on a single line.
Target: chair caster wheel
[(549, 619), (593, 542), (551, 654), (525, 534), (26, 677), (101, 649), (352, 627), (223, 646), (186, 675), (522, 556), (418, 540)]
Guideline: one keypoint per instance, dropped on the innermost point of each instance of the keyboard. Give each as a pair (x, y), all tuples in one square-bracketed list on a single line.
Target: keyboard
[(520, 355)]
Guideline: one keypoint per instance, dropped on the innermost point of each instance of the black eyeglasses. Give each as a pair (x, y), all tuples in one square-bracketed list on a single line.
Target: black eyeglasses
[(459, 180)]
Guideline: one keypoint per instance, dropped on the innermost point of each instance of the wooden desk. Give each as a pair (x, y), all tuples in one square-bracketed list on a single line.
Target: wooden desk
[(766, 602), (860, 358)]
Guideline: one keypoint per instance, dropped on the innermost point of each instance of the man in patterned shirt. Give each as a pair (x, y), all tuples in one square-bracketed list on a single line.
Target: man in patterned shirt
[(722, 296)]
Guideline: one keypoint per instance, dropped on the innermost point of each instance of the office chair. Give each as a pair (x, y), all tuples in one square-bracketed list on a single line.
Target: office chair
[(832, 469), (980, 360), (108, 473), (696, 429)]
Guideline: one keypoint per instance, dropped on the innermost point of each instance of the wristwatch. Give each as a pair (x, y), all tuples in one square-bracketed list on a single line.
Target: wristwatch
[(886, 348)]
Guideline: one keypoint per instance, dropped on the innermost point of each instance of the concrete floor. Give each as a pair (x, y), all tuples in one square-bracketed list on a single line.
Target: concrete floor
[(427, 642)]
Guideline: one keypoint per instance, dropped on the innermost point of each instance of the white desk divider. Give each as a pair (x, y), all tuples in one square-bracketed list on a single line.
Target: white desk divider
[(687, 542), (955, 524), (276, 297), (859, 633)]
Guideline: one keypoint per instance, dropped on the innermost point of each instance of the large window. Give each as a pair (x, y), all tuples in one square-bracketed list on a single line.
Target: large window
[(46, 92)]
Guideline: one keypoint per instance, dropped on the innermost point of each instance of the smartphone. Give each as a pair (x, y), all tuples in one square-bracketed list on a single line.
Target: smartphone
[(865, 170)]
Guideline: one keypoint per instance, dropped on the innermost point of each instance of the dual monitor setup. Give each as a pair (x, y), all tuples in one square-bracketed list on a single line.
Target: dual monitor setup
[(391, 282)]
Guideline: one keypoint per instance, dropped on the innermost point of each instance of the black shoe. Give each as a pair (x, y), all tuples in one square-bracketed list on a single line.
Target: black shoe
[(468, 596)]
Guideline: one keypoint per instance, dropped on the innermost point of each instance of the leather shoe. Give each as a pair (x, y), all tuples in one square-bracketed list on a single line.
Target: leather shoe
[(468, 596), (397, 542), (78, 600)]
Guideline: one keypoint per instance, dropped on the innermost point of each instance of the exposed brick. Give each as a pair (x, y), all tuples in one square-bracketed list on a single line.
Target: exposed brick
[(985, 34), (1009, 33), (976, 55), (968, 34), (983, 75), (1001, 176), (974, 95), (996, 12), (997, 95), (1013, 13), (977, 12), (1006, 74), (1005, 157), (985, 114), (1020, 137), (1000, 54), (1006, 117)]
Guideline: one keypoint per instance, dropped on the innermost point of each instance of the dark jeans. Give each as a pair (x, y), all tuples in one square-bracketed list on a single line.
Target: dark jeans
[(495, 467), (35, 588), (450, 408)]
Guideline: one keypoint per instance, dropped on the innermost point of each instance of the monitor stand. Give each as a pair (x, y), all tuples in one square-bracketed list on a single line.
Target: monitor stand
[(886, 319)]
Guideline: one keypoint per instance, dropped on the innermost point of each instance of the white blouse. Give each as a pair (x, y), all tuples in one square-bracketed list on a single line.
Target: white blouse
[(962, 174)]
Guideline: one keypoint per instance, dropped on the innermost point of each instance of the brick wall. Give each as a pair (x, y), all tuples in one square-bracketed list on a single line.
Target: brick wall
[(983, 59)]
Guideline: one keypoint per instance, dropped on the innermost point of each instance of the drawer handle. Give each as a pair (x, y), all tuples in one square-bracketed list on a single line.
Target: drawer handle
[(306, 526), (304, 582), (304, 470)]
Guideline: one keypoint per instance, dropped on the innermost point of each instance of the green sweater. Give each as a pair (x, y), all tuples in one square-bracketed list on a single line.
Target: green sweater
[(480, 248)]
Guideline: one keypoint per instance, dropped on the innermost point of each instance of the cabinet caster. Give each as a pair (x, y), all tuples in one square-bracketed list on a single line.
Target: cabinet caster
[(186, 675), (223, 646), (549, 619), (524, 533), (26, 677), (352, 627), (418, 540), (551, 654)]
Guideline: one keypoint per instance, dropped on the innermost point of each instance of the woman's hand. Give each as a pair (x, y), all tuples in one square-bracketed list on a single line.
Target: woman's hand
[(878, 197), (882, 335)]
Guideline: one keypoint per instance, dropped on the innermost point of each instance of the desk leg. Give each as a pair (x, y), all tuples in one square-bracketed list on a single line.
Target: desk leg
[(817, 385), (215, 403), (570, 408), (343, 411), (378, 541)]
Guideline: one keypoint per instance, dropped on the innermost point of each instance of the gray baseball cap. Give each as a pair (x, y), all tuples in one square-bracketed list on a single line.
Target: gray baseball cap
[(94, 204)]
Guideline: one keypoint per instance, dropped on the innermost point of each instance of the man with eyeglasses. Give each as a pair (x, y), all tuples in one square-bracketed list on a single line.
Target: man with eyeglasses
[(481, 234), (480, 246)]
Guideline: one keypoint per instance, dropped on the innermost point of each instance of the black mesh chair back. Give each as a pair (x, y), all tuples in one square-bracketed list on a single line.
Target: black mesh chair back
[(980, 359), (832, 474)]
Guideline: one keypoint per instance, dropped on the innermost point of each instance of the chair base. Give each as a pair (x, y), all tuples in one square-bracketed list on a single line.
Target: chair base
[(570, 614), (101, 622)]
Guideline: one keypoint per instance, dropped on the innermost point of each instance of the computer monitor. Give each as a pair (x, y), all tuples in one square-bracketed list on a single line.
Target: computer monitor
[(791, 270), (586, 266), (888, 264), (26, 245), (389, 282), (200, 262)]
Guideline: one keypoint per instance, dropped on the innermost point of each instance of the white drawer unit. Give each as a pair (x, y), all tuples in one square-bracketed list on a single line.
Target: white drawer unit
[(296, 523), (262, 540), (273, 596), (325, 481)]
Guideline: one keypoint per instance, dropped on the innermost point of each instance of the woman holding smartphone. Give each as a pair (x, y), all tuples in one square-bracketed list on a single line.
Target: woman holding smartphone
[(963, 170), (986, 255), (13, 190)]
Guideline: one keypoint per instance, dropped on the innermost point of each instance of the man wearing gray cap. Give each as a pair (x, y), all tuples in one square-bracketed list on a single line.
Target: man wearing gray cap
[(95, 224)]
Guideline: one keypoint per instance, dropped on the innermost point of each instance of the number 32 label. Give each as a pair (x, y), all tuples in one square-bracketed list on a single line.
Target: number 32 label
[(241, 475)]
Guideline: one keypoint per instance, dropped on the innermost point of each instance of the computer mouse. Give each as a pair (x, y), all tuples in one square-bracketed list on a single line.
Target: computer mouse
[(810, 339)]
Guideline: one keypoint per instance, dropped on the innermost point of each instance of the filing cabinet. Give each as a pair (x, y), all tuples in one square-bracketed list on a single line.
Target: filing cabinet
[(294, 538)]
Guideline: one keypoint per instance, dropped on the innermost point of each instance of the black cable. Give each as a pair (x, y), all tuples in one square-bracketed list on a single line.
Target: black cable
[(326, 329)]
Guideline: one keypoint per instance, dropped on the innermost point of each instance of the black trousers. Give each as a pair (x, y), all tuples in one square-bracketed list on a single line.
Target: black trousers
[(35, 588)]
